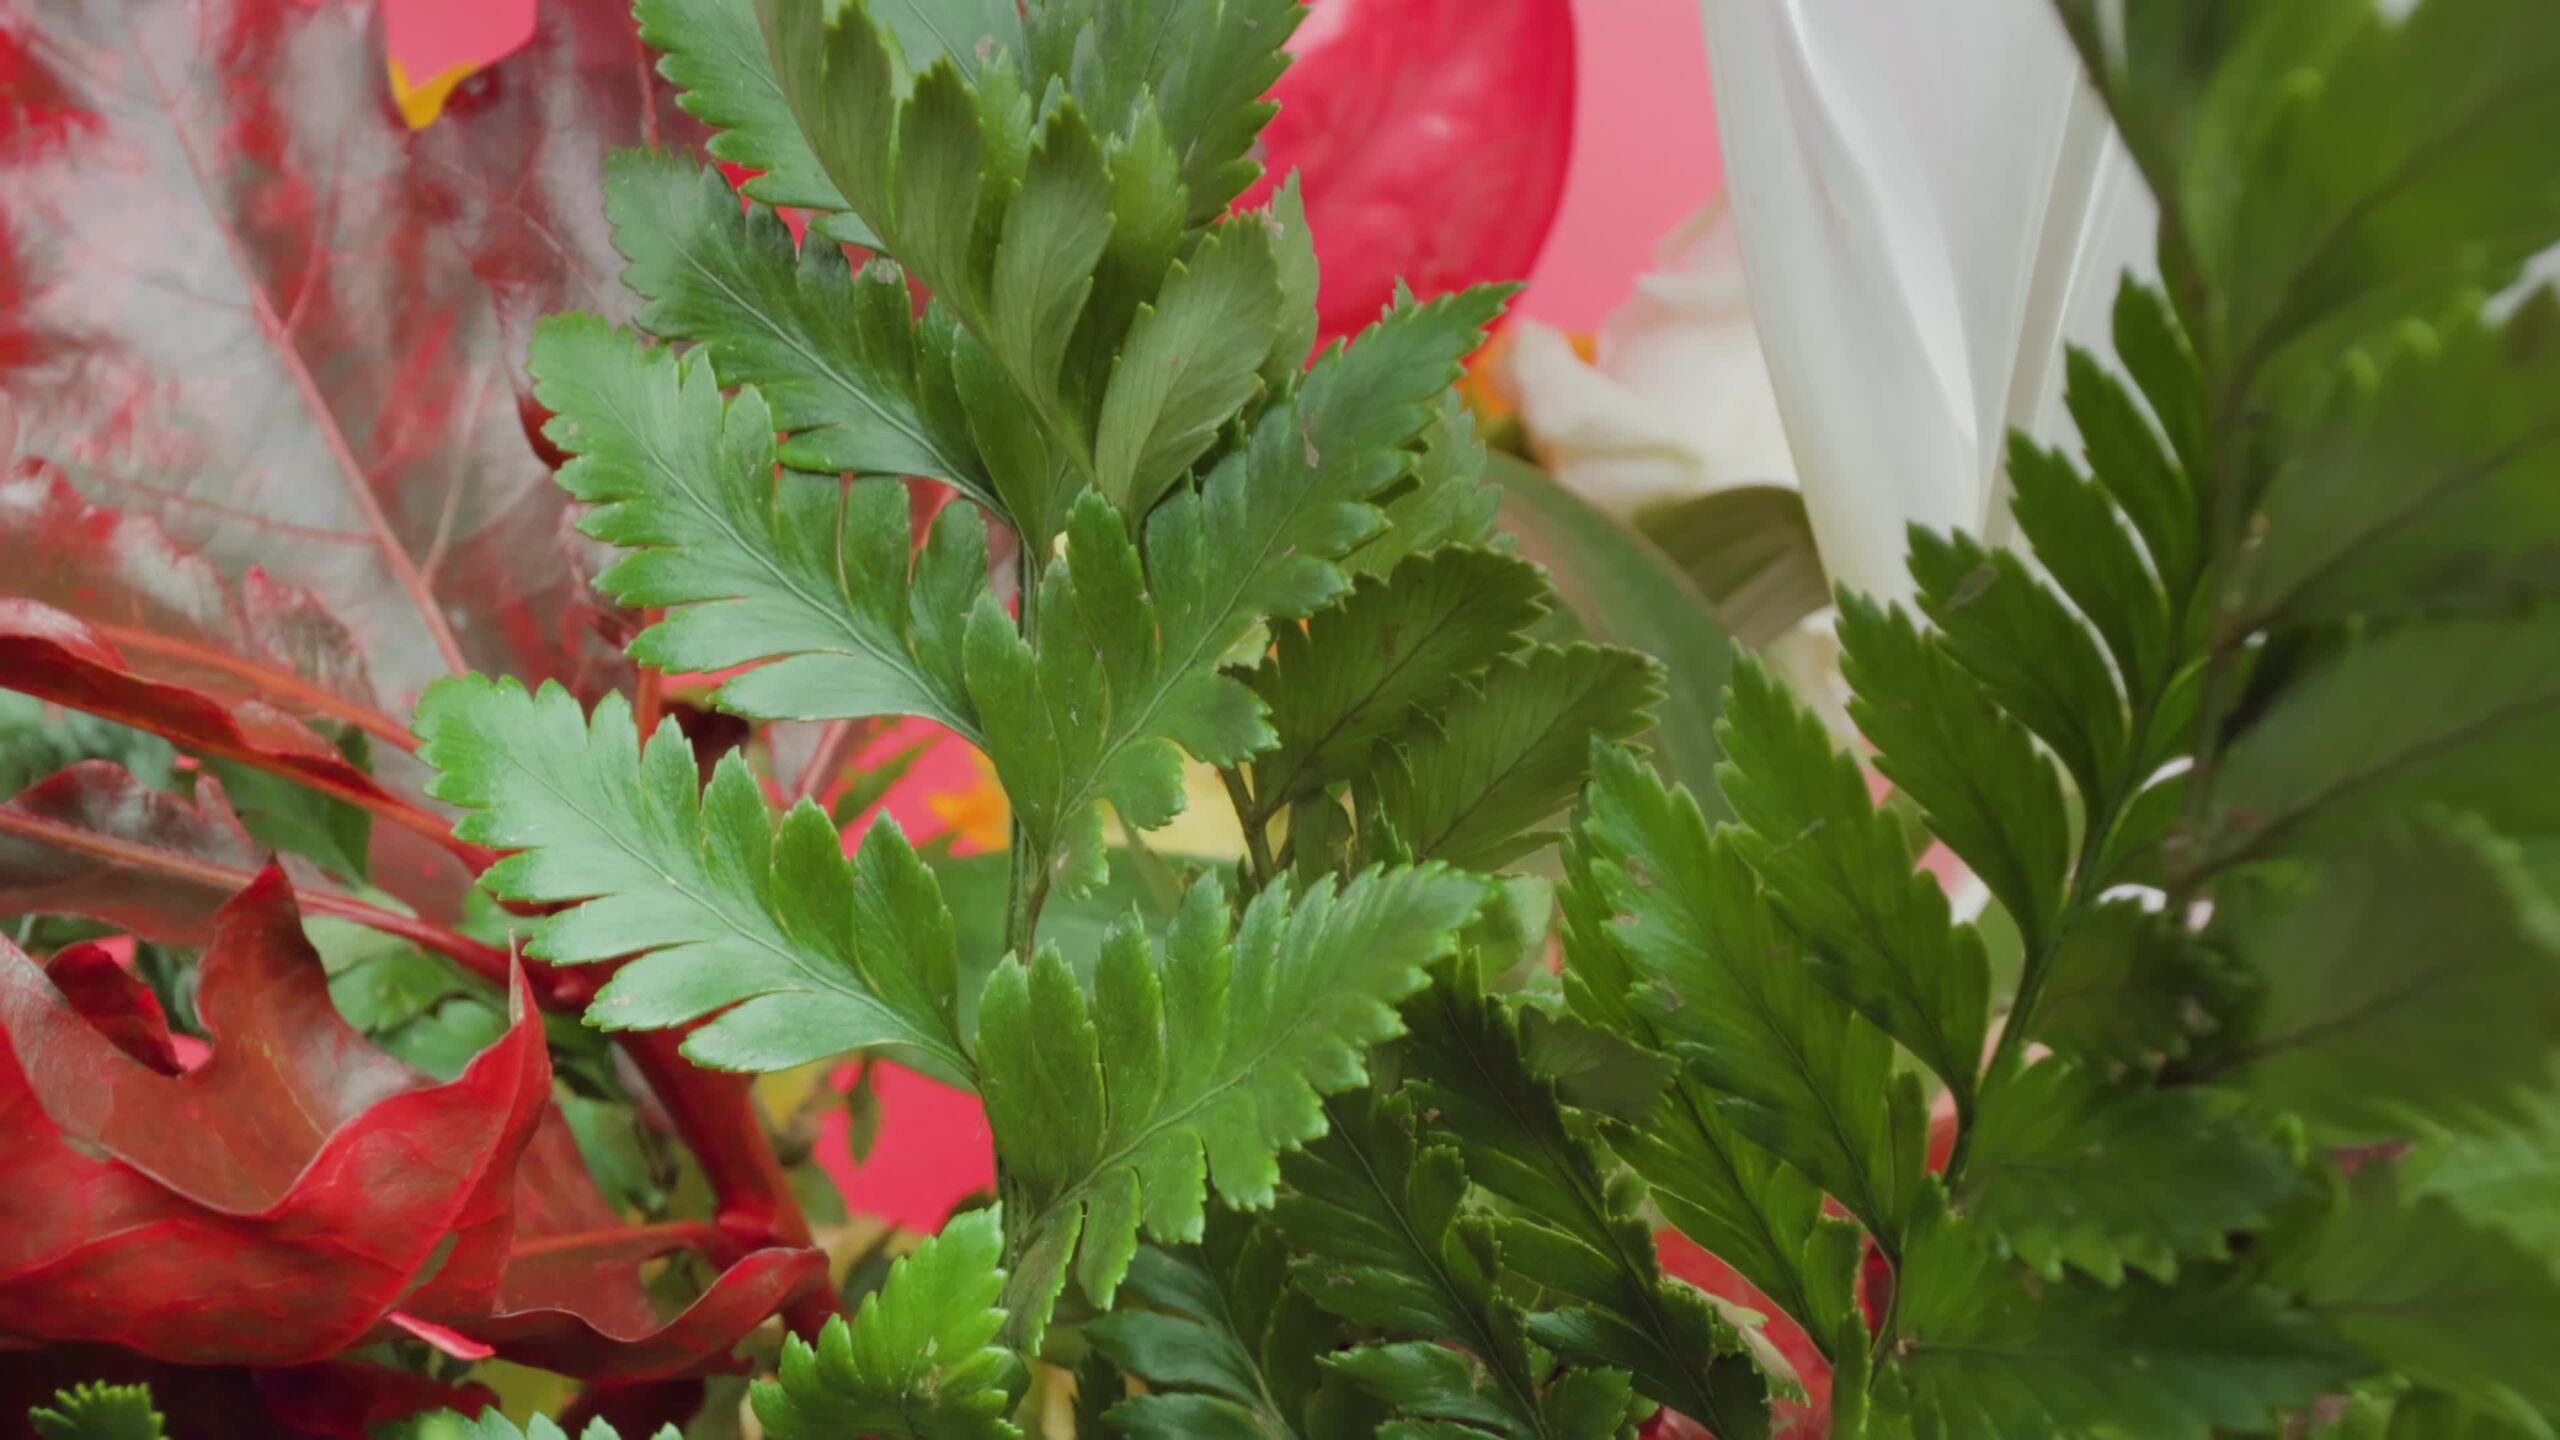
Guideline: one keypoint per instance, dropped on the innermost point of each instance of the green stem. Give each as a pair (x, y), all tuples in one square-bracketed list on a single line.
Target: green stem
[(1257, 841)]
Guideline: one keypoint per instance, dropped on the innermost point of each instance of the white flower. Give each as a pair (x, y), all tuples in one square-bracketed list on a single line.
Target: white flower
[(1928, 201)]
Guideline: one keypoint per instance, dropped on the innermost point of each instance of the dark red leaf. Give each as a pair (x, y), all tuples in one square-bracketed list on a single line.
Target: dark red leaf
[(266, 1207), (569, 1295), (635, 1409), (112, 998), (239, 304), (340, 1400), (346, 1401), (1430, 138), (59, 657)]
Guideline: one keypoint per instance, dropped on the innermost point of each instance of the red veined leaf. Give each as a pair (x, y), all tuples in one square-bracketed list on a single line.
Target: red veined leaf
[(267, 1207), (569, 1295), (59, 657), (116, 1001), (1430, 138), (236, 302)]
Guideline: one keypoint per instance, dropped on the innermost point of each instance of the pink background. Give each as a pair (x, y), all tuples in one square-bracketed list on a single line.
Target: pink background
[(1644, 150)]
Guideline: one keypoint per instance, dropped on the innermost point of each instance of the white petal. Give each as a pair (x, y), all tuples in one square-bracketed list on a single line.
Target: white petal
[(1679, 402), (1914, 185)]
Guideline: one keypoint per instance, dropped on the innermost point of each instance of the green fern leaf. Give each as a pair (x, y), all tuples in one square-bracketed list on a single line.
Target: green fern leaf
[(1389, 1245), (800, 568), (2071, 1169), (1841, 872), (1254, 541), (919, 1362), (1362, 666), (1200, 1061), (713, 52), (1181, 373), (1477, 782), (1791, 1065), (1980, 1355), (2128, 987), (1569, 1227), (494, 1425), (1447, 502), (99, 1412), (2413, 981), (854, 380), (804, 953)]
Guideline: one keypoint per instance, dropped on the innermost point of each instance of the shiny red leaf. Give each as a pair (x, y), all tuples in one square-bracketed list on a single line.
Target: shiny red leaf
[(1430, 138), (94, 841), (238, 305), (264, 1208)]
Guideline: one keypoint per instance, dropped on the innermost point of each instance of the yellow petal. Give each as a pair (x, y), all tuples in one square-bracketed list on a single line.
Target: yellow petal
[(421, 104)]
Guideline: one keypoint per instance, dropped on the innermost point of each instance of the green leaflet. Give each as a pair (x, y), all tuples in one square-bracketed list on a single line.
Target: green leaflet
[(855, 381), (827, 954), (799, 567), (1479, 778), (2127, 987), (2070, 1169), (2340, 752), (1840, 871), (494, 1425), (1571, 1228), (713, 52), (1791, 1065), (1361, 668), (919, 1362), (98, 1412), (2409, 981), (1204, 64), (2507, 1179), (2454, 1305), (1181, 372), (1195, 1061), (1255, 541), (1979, 1354), (1389, 1246), (1227, 1346), (1712, 1183)]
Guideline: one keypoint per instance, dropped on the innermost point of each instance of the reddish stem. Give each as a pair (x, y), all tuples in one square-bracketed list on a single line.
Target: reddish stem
[(650, 702)]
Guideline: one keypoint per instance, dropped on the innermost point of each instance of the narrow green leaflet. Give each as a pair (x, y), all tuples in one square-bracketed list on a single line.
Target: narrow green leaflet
[(1389, 1245), (804, 953), (1195, 1061), (1181, 372), (98, 1412), (972, 33), (1717, 1187), (1479, 780), (1792, 1066), (1974, 772), (1841, 871), (713, 52), (1981, 1351), (919, 1362), (2507, 1179), (855, 381), (2416, 980), (2072, 1169), (1358, 670), (2129, 987), (2450, 1303), (1446, 502), (1571, 1227), (797, 567), (1256, 540), (1227, 1346), (2341, 751)]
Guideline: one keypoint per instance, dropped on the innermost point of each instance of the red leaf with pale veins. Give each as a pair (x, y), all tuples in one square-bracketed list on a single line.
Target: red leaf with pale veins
[(569, 1295), (266, 1207), (94, 841), (59, 657), (241, 309)]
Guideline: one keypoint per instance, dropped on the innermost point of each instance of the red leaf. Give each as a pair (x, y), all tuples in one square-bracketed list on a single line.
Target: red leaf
[(265, 1208), (92, 840), (109, 997), (1430, 137), (241, 308), (339, 1400), (568, 1295), (58, 657)]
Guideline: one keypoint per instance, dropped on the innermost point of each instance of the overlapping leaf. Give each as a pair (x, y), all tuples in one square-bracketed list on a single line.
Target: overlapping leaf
[(1200, 1061), (826, 954), (795, 567)]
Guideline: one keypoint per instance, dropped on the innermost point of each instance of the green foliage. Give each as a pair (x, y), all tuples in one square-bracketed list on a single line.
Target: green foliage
[(98, 1412), (918, 1362), (1201, 1059)]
